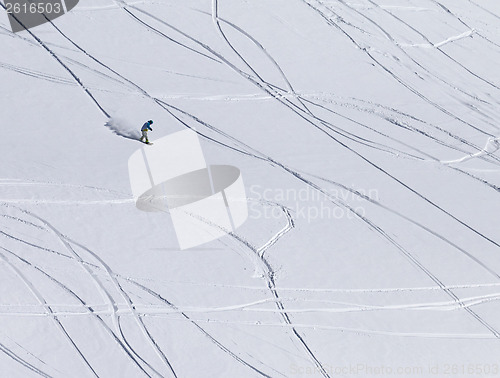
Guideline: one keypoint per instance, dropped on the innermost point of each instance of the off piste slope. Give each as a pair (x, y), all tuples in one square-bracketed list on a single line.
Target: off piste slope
[(367, 137)]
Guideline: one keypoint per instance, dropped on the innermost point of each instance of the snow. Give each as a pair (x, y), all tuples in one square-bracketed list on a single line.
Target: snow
[(366, 134)]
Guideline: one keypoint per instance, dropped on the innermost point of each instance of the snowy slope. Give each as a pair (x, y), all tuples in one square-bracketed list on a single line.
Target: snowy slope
[(366, 134)]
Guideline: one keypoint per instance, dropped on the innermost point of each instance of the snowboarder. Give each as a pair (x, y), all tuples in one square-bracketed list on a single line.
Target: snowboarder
[(145, 128)]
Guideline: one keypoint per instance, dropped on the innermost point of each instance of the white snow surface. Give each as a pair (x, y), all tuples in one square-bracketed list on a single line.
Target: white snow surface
[(366, 133)]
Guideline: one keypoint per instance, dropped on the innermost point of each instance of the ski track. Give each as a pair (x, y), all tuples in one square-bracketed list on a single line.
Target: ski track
[(387, 290), (291, 92), (37, 74), (412, 118), (459, 305), (45, 365), (99, 285), (438, 45), (130, 309), (473, 300), (382, 233), (53, 55), (106, 295), (366, 50), (455, 38), (386, 236), (342, 307), (12, 182), (358, 331), (398, 123), (434, 278), (405, 252), (268, 269), (289, 226), (484, 9), (247, 76), (76, 257), (88, 308), (271, 89), (201, 329), (22, 362), (492, 146), (39, 297), (149, 338), (481, 154), (139, 320), (392, 118), (418, 224), (391, 122), (137, 87), (409, 188)]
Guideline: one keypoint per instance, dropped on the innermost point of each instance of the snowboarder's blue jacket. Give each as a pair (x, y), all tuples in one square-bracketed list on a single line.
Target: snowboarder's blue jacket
[(146, 126)]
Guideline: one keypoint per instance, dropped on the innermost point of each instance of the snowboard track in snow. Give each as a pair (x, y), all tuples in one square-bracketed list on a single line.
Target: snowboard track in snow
[(118, 333)]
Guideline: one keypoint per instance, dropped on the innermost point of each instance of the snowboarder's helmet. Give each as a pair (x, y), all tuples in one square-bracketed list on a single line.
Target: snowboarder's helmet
[(150, 122)]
